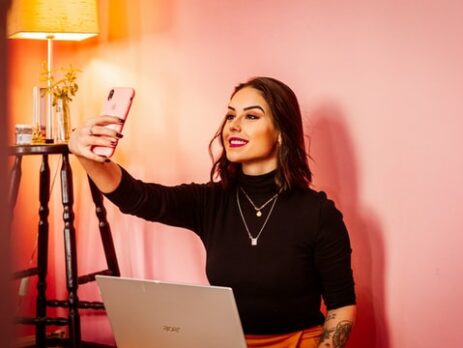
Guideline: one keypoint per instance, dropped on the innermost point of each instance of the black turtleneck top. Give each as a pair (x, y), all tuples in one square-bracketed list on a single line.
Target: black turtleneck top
[(302, 255)]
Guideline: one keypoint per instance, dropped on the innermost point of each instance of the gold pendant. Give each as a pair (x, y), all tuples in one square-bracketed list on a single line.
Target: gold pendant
[(259, 213), (253, 241)]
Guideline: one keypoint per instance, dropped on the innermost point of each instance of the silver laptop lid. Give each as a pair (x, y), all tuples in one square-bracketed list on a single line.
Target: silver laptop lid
[(150, 313)]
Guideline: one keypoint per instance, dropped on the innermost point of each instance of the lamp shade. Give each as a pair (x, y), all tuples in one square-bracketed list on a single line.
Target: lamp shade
[(72, 20)]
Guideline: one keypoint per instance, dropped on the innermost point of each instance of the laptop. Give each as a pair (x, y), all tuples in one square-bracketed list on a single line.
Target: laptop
[(151, 313)]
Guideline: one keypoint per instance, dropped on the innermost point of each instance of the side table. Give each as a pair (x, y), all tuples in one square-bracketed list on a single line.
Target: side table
[(72, 303)]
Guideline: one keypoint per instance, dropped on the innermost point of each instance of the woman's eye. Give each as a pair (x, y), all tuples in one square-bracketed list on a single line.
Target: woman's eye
[(252, 117), (229, 117)]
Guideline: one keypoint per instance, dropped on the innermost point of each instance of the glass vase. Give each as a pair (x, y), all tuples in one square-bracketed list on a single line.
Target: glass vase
[(63, 118)]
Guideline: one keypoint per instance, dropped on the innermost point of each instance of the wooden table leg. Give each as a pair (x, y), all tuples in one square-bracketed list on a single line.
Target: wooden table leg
[(70, 252), (42, 251), (105, 230)]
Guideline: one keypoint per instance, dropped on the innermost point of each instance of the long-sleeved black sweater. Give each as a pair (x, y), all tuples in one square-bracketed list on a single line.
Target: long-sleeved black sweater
[(302, 254)]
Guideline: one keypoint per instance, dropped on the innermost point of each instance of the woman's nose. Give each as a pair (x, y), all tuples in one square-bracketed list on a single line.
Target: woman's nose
[(235, 125)]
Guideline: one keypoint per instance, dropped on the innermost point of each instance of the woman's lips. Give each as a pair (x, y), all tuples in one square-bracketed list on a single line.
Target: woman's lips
[(236, 142)]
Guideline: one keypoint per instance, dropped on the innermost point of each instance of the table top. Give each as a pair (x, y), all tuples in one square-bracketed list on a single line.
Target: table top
[(38, 149)]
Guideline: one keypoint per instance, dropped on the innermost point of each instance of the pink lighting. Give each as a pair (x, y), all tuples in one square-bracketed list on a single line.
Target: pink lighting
[(380, 87)]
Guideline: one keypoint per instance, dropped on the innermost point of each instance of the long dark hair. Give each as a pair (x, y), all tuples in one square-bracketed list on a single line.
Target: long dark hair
[(293, 168)]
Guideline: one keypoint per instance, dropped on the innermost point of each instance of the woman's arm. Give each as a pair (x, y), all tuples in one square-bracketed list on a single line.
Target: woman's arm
[(337, 328), (105, 174), (180, 205), (333, 261)]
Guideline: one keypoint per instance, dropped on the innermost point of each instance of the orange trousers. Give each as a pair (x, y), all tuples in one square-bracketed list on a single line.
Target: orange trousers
[(308, 338)]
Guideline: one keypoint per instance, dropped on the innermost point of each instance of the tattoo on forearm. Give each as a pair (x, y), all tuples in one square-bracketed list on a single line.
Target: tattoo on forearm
[(326, 336), (340, 335), (330, 316)]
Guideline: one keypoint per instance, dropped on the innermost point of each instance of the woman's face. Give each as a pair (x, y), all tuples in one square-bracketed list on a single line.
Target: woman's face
[(249, 134)]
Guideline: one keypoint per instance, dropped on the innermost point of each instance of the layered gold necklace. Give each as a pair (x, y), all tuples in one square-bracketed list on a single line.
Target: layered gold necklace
[(258, 210)]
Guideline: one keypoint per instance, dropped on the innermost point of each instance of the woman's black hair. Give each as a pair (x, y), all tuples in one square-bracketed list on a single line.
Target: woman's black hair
[(293, 168)]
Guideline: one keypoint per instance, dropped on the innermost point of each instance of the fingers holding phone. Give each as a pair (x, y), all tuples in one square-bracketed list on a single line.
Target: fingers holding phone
[(117, 103), (99, 136), (96, 132)]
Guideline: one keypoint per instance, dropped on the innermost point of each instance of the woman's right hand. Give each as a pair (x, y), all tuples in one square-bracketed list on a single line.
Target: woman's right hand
[(94, 133)]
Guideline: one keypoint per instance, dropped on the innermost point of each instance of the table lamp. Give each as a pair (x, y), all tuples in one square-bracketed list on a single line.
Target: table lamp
[(69, 20)]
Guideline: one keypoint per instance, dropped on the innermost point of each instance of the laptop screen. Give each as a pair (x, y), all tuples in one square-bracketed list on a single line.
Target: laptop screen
[(151, 313)]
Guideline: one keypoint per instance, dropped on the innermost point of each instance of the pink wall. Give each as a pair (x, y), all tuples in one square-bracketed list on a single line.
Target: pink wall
[(380, 86)]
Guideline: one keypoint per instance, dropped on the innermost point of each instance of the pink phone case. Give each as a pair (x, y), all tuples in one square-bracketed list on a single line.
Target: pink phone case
[(117, 103)]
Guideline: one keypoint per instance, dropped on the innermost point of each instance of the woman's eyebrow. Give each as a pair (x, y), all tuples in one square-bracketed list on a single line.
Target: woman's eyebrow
[(248, 108), (254, 107)]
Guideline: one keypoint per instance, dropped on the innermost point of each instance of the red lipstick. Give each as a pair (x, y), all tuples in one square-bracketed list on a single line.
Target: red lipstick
[(236, 142)]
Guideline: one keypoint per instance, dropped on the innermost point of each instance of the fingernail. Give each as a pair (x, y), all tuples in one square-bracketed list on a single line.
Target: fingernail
[(107, 160), (121, 120), (119, 135), (114, 143)]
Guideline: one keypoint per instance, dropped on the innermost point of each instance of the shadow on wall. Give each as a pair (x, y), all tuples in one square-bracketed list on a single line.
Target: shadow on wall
[(333, 162)]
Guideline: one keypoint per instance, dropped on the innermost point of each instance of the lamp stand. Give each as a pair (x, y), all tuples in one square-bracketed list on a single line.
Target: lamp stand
[(49, 134)]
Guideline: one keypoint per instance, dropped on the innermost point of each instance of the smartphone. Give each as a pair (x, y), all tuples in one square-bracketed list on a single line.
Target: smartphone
[(117, 103)]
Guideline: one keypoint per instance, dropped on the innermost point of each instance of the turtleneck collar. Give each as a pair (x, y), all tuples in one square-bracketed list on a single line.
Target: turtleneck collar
[(264, 183)]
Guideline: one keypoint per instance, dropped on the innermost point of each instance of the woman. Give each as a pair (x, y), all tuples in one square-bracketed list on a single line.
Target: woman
[(280, 245)]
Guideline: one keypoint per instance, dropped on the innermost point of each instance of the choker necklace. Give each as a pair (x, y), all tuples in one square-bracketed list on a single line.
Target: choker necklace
[(254, 239), (256, 208)]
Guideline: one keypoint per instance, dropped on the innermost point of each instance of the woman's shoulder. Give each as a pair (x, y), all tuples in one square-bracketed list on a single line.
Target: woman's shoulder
[(318, 199), (312, 194), (204, 188)]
